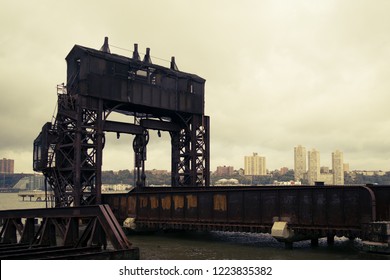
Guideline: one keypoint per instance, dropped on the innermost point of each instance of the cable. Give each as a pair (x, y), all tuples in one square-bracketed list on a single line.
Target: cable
[(154, 57)]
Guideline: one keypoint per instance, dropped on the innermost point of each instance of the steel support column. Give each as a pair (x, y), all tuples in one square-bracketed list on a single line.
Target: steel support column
[(190, 153), (99, 152)]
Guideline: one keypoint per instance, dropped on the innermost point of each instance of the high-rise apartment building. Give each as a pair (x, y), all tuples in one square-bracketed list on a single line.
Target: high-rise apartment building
[(299, 163), (254, 165), (6, 166), (338, 168), (313, 173)]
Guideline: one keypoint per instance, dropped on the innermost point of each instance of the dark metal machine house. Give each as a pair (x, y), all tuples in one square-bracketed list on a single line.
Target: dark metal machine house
[(69, 150)]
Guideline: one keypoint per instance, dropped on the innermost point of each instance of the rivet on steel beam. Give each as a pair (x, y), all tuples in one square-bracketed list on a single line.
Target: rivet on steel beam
[(173, 64)]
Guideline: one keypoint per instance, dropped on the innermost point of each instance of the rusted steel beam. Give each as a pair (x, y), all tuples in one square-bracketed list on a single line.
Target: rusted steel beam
[(65, 222), (120, 127), (108, 220), (8, 232), (97, 177), (28, 231), (71, 234), (160, 125)]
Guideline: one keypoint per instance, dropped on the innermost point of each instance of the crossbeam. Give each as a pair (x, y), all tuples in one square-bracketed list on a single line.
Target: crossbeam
[(120, 127)]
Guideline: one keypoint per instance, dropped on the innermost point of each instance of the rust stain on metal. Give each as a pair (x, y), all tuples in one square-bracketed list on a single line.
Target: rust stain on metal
[(166, 203), (178, 201), (220, 202), (192, 201), (131, 204), (154, 202), (143, 201)]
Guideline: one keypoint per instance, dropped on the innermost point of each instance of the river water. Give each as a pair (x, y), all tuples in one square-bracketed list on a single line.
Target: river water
[(222, 245)]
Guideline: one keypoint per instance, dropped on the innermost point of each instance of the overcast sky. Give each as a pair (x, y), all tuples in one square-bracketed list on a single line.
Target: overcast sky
[(278, 73)]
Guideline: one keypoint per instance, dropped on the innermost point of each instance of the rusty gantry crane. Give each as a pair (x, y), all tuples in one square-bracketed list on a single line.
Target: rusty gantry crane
[(68, 151)]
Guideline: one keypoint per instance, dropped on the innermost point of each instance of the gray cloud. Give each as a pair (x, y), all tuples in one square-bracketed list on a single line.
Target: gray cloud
[(279, 73)]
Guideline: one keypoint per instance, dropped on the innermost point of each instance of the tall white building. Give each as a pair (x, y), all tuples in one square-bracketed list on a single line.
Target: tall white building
[(338, 167), (299, 163), (313, 173), (254, 165)]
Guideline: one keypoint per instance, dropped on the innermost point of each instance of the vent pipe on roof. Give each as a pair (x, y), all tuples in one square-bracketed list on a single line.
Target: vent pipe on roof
[(173, 64), (105, 48), (135, 53), (147, 58)]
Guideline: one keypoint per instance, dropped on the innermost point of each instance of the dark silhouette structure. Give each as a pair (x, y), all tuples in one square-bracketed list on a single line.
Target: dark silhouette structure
[(68, 151)]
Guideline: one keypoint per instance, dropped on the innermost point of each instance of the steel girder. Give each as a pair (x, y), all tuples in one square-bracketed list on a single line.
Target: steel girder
[(191, 153), (77, 138), (74, 170), (61, 226)]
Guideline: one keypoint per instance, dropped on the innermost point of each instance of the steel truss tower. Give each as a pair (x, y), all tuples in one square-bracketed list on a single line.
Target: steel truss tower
[(69, 150)]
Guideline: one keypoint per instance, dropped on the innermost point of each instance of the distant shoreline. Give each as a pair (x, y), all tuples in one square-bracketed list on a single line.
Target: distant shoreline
[(8, 190)]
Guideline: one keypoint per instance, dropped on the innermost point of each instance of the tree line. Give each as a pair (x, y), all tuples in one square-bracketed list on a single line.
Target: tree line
[(164, 178)]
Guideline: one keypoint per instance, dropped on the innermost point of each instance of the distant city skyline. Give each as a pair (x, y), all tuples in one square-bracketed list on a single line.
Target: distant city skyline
[(228, 169)]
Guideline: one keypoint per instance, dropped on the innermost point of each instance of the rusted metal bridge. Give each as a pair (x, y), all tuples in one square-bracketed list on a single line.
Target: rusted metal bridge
[(69, 152), (310, 212)]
